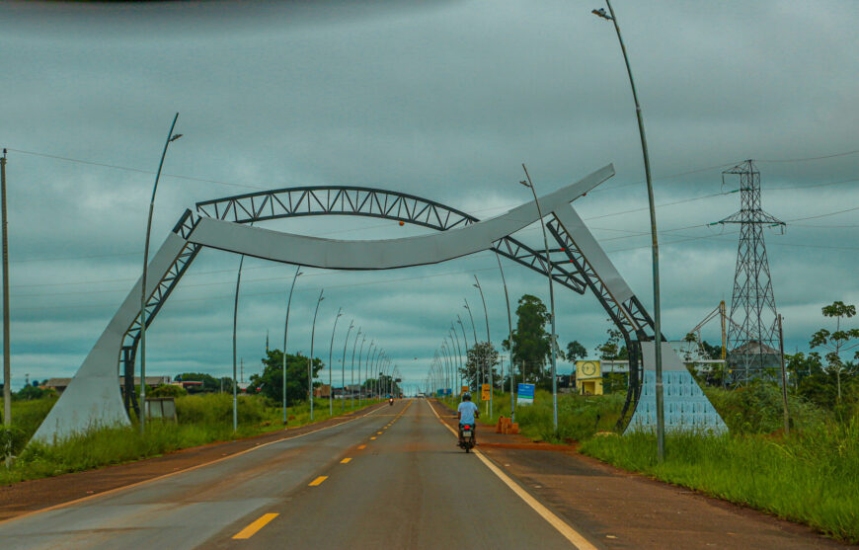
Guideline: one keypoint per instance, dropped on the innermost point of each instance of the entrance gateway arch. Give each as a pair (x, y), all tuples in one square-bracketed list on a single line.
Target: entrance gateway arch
[(93, 397)]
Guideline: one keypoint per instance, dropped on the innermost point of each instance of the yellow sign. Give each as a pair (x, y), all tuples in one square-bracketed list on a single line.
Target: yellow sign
[(484, 392), (588, 369)]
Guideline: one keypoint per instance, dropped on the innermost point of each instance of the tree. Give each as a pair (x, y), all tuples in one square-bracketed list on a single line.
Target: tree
[(576, 351), (531, 345), (480, 357), (270, 382), (612, 349), (837, 342), (167, 390)]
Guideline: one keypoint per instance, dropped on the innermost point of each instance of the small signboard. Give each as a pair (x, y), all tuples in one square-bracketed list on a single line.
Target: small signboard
[(526, 394), (463, 389), (484, 392)]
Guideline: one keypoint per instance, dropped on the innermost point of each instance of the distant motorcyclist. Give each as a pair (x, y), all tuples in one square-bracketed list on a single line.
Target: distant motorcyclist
[(467, 413)]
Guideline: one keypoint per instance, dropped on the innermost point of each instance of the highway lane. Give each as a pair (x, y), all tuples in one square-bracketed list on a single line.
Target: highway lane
[(393, 477)]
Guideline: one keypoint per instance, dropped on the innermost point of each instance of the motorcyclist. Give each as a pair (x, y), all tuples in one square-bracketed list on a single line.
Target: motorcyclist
[(467, 413)]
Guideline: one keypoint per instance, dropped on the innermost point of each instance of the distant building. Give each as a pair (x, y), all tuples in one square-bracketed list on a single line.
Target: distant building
[(60, 384)]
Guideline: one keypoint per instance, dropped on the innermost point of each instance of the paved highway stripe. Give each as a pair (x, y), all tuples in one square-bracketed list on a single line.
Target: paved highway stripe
[(361, 447), (560, 525), (346, 461), (318, 481), (118, 490), (252, 529)]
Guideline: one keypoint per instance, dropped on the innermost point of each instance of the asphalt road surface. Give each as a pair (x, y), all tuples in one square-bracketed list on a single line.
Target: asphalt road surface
[(387, 477), (392, 478)]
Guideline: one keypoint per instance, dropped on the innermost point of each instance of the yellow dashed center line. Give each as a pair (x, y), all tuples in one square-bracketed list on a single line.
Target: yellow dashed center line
[(252, 529), (346, 461), (318, 481), (361, 447), (378, 433), (373, 438)]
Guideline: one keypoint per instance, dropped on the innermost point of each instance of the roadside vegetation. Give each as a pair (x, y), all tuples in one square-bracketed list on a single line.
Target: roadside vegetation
[(808, 474), (202, 418)]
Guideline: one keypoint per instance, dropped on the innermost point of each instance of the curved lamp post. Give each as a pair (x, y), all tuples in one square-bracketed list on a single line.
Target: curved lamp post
[(474, 330), (488, 344), (529, 184), (464, 339), (510, 342), (235, 326), (298, 273), (310, 359), (360, 353), (657, 316), (331, 365), (343, 365), (352, 384), (171, 137)]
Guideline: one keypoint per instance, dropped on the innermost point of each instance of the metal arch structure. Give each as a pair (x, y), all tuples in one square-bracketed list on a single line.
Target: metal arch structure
[(93, 397)]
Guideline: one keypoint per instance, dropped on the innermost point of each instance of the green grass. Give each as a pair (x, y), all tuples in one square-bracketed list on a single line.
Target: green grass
[(202, 419), (579, 417), (811, 478)]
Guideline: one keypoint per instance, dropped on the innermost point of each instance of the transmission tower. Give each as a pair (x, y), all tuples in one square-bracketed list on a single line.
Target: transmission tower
[(753, 338)]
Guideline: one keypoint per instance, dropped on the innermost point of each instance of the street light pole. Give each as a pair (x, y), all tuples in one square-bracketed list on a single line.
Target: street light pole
[(654, 247), (360, 353), (7, 363), (464, 339), (285, 332), (235, 326), (143, 294), (355, 345), (367, 361), (343, 365), (310, 359), (488, 344), (509, 341), (458, 354), (530, 185), (331, 365), (474, 330)]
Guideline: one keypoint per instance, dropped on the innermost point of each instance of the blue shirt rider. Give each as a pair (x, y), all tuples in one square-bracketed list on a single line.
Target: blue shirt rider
[(467, 412)]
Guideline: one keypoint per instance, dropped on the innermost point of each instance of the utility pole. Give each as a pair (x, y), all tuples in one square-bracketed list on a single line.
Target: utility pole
[(7, 366), (752, 337)]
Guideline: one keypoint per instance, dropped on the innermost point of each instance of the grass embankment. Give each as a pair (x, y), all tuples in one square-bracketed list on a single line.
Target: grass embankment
[(202, 419), (810, 476), (579, 417)]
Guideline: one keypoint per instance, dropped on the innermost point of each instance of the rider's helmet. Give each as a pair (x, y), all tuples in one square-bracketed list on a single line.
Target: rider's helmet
[(466, 396)]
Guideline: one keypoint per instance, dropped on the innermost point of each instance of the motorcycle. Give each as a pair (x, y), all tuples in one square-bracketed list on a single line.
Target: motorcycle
[(391, 401), (466, 437)]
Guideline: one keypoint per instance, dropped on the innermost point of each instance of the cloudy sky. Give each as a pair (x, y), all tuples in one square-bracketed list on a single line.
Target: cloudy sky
[(444, 100)]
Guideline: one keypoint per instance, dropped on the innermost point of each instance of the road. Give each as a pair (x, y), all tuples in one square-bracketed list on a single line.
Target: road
[(392, 478), (388, 476)]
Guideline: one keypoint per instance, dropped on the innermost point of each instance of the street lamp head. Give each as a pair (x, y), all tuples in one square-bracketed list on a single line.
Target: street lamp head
[(525, 183), (174, 137), (602, 13)]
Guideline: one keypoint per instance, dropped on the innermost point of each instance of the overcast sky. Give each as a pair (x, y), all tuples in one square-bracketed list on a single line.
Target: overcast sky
[(444, 100)]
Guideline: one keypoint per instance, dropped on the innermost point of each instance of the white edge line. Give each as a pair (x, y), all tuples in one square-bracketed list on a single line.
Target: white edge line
[(560, 525), (171, 474)]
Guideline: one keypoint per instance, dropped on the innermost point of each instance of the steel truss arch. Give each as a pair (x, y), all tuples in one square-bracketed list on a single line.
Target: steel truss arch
[(93, 398), (629, 316)]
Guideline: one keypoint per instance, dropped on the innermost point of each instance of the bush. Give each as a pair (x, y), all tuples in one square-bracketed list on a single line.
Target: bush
[(167, 390)]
